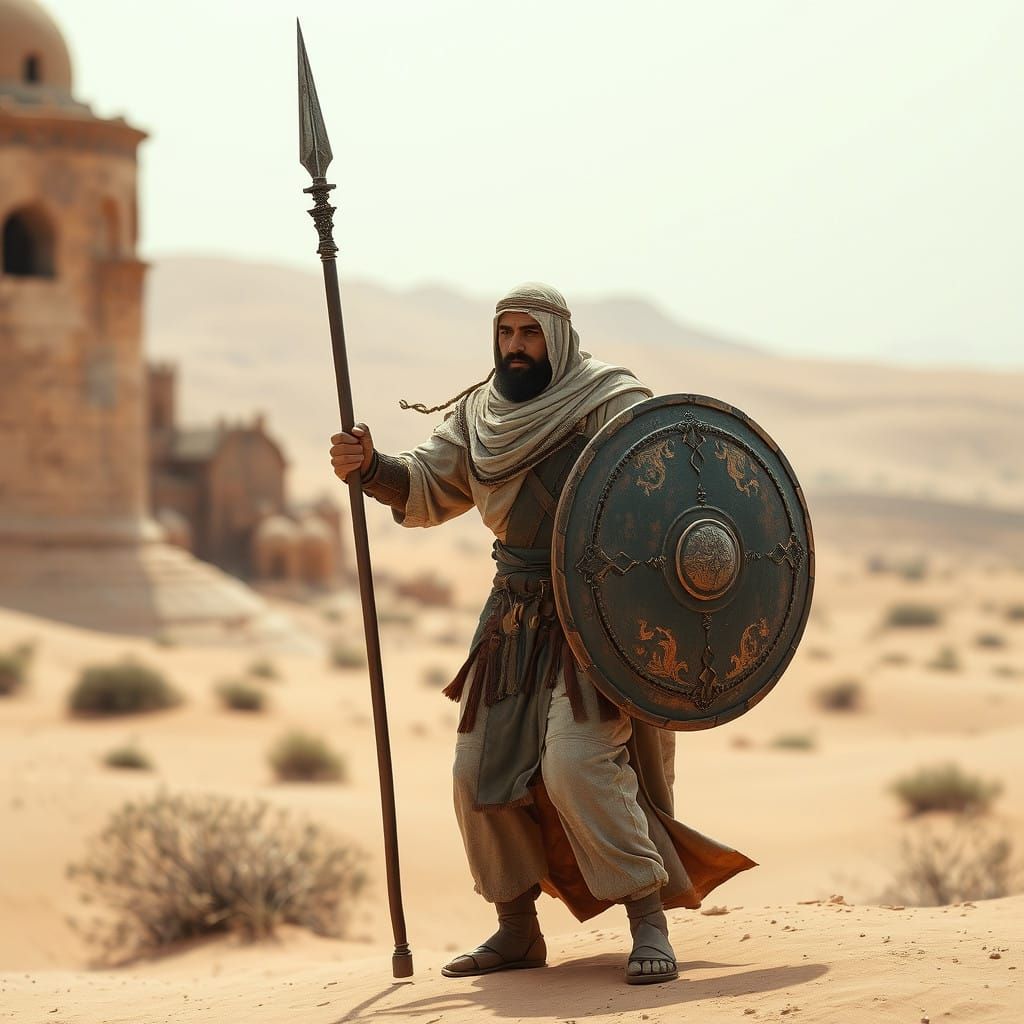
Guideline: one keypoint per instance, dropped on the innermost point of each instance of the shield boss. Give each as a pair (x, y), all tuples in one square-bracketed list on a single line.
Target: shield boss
[(683, 562)]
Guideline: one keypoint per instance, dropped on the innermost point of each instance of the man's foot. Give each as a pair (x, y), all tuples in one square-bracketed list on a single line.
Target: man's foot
[(517, 944), (652, 958)]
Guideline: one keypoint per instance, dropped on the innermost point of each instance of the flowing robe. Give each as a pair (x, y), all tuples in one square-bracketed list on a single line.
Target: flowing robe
[(518, 652)]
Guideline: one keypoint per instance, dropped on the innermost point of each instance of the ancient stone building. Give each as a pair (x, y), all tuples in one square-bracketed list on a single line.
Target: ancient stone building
[(219, 491), (76, 539)]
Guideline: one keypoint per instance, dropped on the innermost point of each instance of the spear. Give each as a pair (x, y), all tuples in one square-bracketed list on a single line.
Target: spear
[(315, 155)]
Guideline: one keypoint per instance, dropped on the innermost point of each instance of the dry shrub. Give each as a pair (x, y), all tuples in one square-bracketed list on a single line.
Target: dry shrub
[(1015, 613), (945, 787), (14, 664), (426, 589), (264, 668), (946, 660), (991, 640), (842, 695), (793, 741), (123, 688), (913, 615), (895, 658), (301, 757), (967, 862), (437, 677), (128, 757), (177, 867), (239, 695), (345, 655)]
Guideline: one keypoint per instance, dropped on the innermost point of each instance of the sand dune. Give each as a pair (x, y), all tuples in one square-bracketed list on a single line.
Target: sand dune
[(916, 492)]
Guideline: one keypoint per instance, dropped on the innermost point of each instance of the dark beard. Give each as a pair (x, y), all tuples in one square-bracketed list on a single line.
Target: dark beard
[(520, 384)]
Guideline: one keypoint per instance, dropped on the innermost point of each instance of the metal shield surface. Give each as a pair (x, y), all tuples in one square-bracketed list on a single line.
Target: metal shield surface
[(683, 561)]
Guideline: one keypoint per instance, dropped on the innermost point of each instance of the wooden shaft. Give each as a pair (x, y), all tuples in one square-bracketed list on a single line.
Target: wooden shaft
[(401, 961)]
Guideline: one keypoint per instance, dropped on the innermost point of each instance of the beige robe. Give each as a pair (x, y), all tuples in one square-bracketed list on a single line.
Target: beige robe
[(441, 488)]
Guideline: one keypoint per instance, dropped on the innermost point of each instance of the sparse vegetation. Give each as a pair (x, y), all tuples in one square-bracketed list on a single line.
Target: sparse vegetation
[(238, 695), (302, 757), (14, 665), (946, 660), (794, 741), (912, 615), (1005, 672), (345, 655), (122, 688), (841, 695), (968, 862), (264, 668), (945, 787), (1015, 613), (991, 640), (177, 867), (426, 589), (437, 676), (894, 658), (128, 756)]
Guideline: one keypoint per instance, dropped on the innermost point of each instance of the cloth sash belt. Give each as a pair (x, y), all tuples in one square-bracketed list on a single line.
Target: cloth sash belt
[(517, 653)]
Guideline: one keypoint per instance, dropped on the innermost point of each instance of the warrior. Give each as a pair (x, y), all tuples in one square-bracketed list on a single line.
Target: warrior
[(556, 789)]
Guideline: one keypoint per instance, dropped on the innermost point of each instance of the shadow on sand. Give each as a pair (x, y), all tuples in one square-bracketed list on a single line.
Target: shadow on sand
[(587, 986)]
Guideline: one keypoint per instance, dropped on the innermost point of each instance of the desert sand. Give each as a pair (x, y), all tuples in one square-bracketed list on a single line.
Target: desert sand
[(823, 930)]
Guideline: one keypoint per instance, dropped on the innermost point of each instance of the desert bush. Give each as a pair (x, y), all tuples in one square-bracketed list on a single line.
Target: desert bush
[(437, 676), (239, 695), (176, 867), (912, 615), (344, 655), (301, 757), (14, 664), (128, 756), (264, 668), (968, 862), (945, 787), (427, 589), (1015, 613), (991, 640), (1005, 672), (894, 658), (121, 688), (793, 741), (946, 660), (841, 695)]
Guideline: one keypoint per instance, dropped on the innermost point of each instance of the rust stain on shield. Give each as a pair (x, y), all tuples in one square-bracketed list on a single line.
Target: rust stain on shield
[(683, 561)]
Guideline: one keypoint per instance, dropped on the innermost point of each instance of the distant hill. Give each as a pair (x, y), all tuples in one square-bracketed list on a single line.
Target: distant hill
[(254, 337)]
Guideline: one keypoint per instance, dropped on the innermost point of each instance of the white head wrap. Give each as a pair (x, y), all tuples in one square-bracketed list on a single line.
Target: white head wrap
[(505, 438)]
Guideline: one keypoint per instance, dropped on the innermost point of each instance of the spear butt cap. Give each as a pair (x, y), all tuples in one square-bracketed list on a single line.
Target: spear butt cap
[(401, 962)]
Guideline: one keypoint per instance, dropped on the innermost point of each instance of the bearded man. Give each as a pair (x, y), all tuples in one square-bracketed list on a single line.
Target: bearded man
[(556, 789)]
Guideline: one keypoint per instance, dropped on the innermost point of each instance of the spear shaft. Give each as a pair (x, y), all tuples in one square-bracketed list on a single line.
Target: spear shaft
[(315, 155)]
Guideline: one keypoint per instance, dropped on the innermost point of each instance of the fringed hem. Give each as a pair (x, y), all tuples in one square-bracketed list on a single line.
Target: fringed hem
[(484, 672)]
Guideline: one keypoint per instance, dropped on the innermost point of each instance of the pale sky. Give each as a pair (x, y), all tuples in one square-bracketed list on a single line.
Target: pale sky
[(826, 177)]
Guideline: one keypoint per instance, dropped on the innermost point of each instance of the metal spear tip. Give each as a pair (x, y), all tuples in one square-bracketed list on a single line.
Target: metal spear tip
[(314, 146)]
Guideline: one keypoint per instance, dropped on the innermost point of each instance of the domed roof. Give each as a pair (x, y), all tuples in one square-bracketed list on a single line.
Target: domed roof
[(276, 527), (34, 59)]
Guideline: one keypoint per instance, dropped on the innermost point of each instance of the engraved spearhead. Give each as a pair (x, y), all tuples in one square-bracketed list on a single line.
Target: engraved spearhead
[(314, 147)]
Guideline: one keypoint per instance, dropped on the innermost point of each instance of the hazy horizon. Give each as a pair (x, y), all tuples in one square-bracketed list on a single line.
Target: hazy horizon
[(816, 178)]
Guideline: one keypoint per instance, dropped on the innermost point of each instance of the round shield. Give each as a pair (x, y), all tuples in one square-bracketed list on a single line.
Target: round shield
[(683, 562)]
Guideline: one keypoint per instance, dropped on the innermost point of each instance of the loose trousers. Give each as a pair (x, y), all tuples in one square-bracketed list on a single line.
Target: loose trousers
[(586, 771)]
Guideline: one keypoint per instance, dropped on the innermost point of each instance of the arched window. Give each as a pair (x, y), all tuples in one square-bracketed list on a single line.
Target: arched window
[(110, 227), (28, 243), (32, 69)]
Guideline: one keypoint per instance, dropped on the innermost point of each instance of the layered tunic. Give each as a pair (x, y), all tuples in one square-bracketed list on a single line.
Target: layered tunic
[(519, 652)]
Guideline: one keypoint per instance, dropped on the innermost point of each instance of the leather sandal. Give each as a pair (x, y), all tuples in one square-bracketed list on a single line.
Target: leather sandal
[(650, 943), (485, 960)]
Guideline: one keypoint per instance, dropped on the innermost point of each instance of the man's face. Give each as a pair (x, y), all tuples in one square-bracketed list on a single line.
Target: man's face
[(523, 370)]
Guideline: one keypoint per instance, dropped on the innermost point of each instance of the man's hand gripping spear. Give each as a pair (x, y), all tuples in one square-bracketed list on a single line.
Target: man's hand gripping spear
[(315, 155)]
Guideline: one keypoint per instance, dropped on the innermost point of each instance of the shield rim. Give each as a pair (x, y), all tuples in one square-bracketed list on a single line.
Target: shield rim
[(560, 587)]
